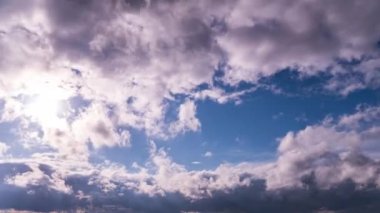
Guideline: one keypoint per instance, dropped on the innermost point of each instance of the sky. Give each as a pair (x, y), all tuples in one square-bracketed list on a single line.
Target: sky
[(190, 106)]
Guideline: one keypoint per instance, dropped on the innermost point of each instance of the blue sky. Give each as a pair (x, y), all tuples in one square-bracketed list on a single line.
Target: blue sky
[(189, 106), (249, 131)]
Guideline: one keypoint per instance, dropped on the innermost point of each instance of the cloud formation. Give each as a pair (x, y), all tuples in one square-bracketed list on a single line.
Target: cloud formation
[(326, 166), (117, 66), (151, 51)]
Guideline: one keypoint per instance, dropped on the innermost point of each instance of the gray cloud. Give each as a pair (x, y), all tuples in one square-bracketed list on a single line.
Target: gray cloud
[(135, 56), (324, 167), (266, 36), (345, 196), (150, 51)]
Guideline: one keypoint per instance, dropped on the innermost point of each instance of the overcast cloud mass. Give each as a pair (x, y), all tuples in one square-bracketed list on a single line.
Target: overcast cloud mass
[(82, 81)]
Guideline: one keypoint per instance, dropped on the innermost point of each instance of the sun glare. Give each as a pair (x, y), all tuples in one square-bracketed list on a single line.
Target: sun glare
[(44, 109)]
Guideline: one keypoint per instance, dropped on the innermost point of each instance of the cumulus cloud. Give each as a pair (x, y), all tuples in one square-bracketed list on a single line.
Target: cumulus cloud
[(364, 115), (322, 167), (150, 51), (266, 36), (114, 66), (187, 119), (94, 125)]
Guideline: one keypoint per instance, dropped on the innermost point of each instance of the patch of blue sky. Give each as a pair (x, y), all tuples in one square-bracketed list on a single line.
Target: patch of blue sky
[(248, 131), (22, 142)]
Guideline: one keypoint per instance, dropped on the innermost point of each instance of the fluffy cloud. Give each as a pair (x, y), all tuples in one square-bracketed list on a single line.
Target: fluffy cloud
[(95, 125), (186, 119), (266, 36), (113, 66), (322, 167), (150, 51)]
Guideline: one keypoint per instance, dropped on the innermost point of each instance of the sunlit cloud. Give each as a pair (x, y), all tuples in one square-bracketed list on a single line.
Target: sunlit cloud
[(168, 106)]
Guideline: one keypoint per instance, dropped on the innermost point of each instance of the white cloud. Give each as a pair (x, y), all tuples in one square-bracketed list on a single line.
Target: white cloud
[(364, 114), (267, 36), (95, 125), (187, 119), (134, 57), (208, 154), (39, 55), (322, 158), (297, 169), (3, 149), (130, 61), (38, 177)]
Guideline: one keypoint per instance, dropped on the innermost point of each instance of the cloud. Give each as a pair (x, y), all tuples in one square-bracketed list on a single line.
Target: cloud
[(119, 54), (123, 65), (187, 119), (3, 148), (364, 115), (322, 167), (110, 45), (264, 37), (208, 154), (95, 125)]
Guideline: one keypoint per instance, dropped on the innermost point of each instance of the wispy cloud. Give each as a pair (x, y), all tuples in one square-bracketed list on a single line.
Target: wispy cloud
[(208, 154)]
